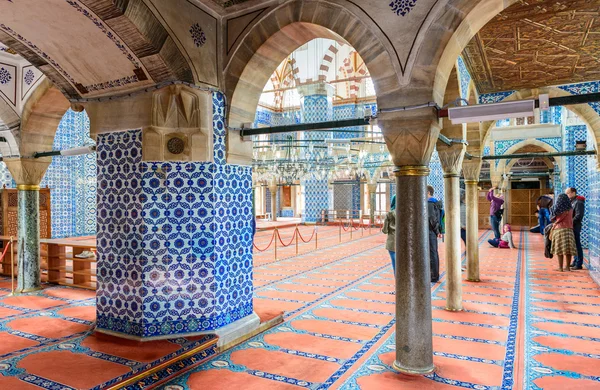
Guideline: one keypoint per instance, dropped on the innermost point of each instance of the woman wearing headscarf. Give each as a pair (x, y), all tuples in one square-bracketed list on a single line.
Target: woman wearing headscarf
[(562, 236), (389, 228)]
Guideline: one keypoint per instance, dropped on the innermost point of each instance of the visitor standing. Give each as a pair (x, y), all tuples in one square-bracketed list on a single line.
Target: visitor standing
[(435, 212), (578, 203), (495, 211), (389, 228), (563, 239), (544, 204)]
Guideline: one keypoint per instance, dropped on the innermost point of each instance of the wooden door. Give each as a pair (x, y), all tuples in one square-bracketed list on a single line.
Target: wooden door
[(484, 211), (286, 199), (523, 206)]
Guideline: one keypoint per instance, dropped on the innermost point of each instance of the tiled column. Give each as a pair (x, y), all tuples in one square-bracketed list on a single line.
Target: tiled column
[(372, 202), (174, 237), (410, 137), (471, 171), (317, 106), (28, 174), (451, 158), (273, 189)]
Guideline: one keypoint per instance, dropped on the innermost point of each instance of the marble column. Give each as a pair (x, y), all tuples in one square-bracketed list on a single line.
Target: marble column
[(414, 347), (273, 188), (410, 137), (471, 171), (451, 158), (29, 275), (28, 174), (372, 202)]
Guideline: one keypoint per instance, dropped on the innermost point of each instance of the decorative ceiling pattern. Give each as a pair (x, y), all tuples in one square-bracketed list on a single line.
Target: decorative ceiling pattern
[(537, 43)]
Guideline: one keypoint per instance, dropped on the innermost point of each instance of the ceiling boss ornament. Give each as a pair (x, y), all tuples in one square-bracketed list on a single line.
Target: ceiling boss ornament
[(402, 7)]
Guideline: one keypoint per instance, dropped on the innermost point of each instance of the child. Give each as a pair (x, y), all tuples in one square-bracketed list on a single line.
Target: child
[(506, 241)]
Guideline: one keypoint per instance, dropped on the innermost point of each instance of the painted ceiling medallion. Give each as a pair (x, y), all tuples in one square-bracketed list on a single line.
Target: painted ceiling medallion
[(402, 7), (198, 35), (5, 76), (28, 77)]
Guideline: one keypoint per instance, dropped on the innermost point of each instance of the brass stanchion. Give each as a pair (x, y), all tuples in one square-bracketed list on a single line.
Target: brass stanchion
[(12, 267), (316, 238), (341, 222), (351, 228), (297, 234), (275, 234)]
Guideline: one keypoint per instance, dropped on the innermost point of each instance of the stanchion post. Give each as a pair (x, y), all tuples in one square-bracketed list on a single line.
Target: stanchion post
[(316, 238), (351, 228), (297, 234), (12, 267), (275, 234), (341, 222)]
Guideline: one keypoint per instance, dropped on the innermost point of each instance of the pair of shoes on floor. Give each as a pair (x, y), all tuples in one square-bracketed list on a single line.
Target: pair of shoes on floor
[(435, 281), (86, 255), (575, 268)]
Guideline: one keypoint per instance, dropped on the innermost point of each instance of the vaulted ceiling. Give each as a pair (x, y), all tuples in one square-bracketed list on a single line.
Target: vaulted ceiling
[(537, 43)]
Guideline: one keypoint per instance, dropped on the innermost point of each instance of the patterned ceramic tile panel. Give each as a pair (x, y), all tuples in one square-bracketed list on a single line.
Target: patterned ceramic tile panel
[(316, 198), (356, 196), (593, 212), (120, 293), (346, 111), (317, 108), (464, 78), (436, 177), (342, 196), (577, 171), (72, 180), (494, 97), (5, 177)]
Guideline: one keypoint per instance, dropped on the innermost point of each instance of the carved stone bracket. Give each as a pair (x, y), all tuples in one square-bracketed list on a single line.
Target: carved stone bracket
[(28, 171), (410, 135), (472, 169), (451, 158)]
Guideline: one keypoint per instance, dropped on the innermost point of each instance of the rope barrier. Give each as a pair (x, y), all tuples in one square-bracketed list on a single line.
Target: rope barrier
[(268, 246), (289, 243), (311, 237)]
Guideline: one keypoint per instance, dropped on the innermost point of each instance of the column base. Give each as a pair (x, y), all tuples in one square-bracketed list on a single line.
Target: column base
[(474, 280), (455, 310), (27, 290), (412, 371), (227, 335)]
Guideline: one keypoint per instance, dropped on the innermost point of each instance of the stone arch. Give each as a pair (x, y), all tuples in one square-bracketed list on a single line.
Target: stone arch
[(503, 165), (42, 113), (282, 30), (10, 123), (584, 111)]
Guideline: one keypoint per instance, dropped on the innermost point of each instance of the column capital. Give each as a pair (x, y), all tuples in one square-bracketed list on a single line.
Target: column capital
[(451, 158), (410, 135), (471, 169), (496, 179), (28, 171), (372, 187), (273, 188)]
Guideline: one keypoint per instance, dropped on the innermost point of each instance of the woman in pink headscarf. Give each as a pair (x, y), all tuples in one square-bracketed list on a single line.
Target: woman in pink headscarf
[(506, 241)]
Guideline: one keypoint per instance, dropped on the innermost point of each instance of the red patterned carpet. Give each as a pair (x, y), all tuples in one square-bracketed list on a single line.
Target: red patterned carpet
[(524, 327)]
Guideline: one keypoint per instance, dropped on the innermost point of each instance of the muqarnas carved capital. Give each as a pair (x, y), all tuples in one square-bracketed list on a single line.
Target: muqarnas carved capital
[(177, 132)]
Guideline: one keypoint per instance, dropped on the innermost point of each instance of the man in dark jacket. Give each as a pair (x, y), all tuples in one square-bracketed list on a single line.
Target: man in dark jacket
[(578, 203), (544, 204), (435, 212)]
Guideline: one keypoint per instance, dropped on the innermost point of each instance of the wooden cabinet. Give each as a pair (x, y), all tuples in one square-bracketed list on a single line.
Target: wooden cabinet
[(9, 220)]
